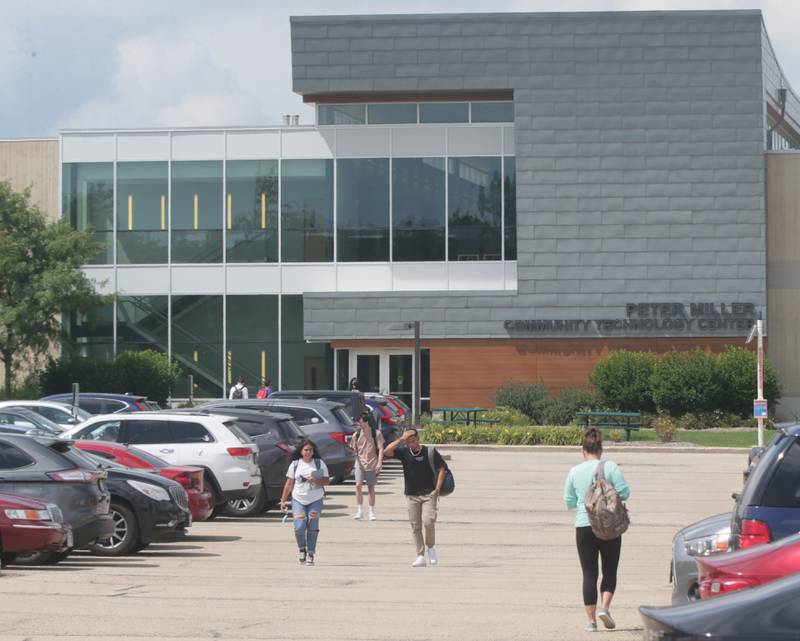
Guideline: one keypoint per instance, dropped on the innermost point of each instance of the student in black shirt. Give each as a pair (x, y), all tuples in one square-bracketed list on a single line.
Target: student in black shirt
[(422, 490)]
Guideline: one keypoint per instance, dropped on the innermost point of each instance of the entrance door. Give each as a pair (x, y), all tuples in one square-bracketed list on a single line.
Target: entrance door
[(383, 371), (401, 377), (368, 371)]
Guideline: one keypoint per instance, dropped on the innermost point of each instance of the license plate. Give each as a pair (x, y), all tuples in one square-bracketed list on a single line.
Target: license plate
[(70, 539)]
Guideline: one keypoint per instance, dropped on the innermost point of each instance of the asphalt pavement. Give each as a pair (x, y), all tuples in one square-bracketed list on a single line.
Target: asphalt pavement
[(508, 566)]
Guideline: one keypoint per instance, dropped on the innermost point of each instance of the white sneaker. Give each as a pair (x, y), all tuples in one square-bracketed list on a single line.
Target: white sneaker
[(358, 514), (372, 516), (432, 558), (419, 562), (605, 616)]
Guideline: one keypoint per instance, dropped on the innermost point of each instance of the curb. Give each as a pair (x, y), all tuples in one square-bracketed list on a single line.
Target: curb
[(681, 449)]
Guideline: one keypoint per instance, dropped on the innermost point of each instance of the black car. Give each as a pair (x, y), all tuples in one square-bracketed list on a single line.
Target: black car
[(276, 435), (353, 400), (53, 471), (766, 613), (145, 508), (326, 423)]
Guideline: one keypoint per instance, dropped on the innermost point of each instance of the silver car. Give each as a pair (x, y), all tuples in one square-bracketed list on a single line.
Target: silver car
[(706, 537)]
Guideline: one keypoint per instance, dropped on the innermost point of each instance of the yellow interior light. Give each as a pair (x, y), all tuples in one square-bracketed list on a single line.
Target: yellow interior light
[(230, 368), (163, 211), (263, 368), (230, 207), (196, 217), (263, 210), (194, 356), (130, 212)]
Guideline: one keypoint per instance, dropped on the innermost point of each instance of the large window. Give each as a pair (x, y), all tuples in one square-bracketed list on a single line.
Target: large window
[(397, 113), (142, 212), (92, 333), (307, 210), (441, 112), (197, 212), (362, 215), (252, 211), (142, 323), (197, 341), (510, 196), (418, 218), (492, 112), (252, 340), (88, 203), (351, 114), (474, 197), (305, 365)]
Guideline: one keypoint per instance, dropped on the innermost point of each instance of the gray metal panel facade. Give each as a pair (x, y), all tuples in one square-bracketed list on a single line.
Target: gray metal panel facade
[(639, 140)]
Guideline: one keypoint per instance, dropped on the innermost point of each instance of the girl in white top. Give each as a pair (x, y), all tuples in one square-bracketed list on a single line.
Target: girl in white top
[(305, 480)]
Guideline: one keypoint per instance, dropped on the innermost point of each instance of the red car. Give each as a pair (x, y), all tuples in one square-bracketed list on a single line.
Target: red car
[(201, 502), (724, 573), (28, 525)]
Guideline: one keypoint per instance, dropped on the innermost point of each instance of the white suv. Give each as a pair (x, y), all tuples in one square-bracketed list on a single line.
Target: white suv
[(213, 442)]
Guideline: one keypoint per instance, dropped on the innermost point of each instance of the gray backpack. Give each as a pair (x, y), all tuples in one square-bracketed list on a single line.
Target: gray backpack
[(607, 513)]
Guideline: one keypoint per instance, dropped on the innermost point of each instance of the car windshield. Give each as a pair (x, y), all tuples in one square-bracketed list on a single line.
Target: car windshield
[(38, 421), (148, 458), (343, 416)]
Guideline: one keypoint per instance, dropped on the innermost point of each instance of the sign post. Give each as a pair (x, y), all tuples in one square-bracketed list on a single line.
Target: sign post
[(759, 404)]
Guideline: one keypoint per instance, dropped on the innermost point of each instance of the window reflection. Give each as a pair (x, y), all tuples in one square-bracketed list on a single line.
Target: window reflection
[(442, 112), (251, 332), (474, 192), (510, 195), (197, 341), (142, 323), (197, 212), (87, 203), (353, 114), (418, 217), (362, 195), (92, 333), (252, 211), (307, 210), (141, 212), (394, 114), (305, 365), (492, 112)]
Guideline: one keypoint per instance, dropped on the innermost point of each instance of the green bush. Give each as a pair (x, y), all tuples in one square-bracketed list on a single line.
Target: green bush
[(737, 373), (506, 416), (27, 389), (685, 382), (147, 373), (665, 429), (622, 381), (502, 435), (561, 409), (529, 398)]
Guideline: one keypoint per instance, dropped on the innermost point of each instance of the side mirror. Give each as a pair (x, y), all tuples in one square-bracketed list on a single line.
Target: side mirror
[(73, 420)]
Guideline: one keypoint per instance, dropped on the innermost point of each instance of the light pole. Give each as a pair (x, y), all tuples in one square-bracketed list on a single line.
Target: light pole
[(415, 403)]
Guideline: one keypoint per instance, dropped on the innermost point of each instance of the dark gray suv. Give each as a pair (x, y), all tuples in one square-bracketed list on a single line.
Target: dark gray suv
[(50, 470)]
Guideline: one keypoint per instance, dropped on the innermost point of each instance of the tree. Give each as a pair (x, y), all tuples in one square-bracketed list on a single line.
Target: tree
[(40, 277)]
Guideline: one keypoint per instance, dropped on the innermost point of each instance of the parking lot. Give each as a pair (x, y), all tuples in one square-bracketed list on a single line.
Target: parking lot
[(508, 566)]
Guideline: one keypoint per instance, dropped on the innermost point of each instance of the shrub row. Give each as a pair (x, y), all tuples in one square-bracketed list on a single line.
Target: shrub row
[(680, 383), (147, 373), (502, 435), (539, 408)]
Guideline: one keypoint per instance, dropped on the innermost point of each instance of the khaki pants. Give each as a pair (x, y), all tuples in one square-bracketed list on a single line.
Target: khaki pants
[(422, 511)]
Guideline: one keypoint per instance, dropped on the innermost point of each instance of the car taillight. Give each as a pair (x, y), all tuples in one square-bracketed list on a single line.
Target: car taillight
[(341, 437), (286, 448), (140, 406), (716, 587), (240, 451), (754, 532), (73, 476), (184, 479)]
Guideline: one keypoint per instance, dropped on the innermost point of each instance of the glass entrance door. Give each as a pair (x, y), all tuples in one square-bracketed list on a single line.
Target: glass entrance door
[(401, 377), (368, 371)]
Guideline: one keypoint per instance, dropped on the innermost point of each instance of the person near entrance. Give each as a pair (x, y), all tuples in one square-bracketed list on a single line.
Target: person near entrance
[(355, 384), (368, 444), (238, 391), (422, 488)]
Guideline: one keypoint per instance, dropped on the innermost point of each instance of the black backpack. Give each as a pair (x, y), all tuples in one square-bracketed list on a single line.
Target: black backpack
[(449, 482), (237, 393)]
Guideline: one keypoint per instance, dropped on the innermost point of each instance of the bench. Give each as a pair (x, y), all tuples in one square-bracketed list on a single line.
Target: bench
[(628, 421)]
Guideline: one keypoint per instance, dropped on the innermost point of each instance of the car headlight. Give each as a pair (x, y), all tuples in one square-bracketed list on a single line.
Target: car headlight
[(28, 515), (151, 491), (708, 545)]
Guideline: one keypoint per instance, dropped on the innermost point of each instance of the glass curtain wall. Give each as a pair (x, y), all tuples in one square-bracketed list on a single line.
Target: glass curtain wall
[(305, 365), (251, 332), (142, 323), (142, 235), (92, 333), (418, 214), (362, 214), (475, 216), (307, 211), (252, 211), (197, 341), (88, 203), (197, 212), (510, 196)]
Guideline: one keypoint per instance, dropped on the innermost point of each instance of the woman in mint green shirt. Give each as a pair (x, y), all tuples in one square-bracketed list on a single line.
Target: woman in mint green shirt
[(589, 546)]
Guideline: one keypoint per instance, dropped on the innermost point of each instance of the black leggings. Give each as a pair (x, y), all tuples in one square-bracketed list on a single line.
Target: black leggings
[(589, 546)]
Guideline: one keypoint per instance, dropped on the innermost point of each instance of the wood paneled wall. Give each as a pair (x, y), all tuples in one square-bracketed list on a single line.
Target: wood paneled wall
[(468, 372)]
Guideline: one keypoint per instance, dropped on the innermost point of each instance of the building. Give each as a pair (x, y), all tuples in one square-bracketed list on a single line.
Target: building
[(535, 189)]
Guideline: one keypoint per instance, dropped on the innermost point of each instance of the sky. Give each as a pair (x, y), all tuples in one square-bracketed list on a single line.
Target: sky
[(182, 63)]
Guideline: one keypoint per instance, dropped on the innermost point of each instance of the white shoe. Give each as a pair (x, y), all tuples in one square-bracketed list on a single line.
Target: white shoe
[(419, 562), (359, 514), (605, 616), (372, 516), (432, 558)]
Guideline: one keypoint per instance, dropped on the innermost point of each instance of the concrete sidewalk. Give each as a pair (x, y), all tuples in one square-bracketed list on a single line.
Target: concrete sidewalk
[(508, 569)]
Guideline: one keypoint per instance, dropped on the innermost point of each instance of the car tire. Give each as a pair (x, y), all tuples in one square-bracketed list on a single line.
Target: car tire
[(252, 506), (30, 558), (58, 557), (125, 537)]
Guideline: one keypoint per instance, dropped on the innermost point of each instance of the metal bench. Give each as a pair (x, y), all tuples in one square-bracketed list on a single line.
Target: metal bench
[(628, 421)]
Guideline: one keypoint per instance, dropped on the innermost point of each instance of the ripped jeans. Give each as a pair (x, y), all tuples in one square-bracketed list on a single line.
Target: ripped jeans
[(306, 524)]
